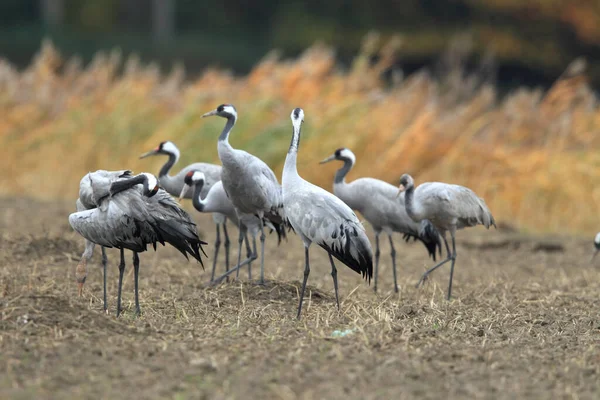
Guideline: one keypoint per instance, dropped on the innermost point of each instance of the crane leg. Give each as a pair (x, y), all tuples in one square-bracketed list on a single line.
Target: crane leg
[(377, 253), (262, 252), (121, 272), (430, 270), (452, 265), (104, 263), (306, 273), (254, 250), (335, 281), (81, 269), (231, 271), (393, 254), (249, 255), (136, 272), (217, 245), (240, 242), (227, 244)]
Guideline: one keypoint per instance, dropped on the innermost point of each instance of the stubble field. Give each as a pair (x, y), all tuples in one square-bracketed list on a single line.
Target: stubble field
[(523, 322)]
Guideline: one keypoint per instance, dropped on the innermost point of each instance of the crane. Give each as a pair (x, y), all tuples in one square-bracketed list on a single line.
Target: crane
[(217, 201), (250, 184), (376, 201), (449, 208), (318, 216), (131, 217)]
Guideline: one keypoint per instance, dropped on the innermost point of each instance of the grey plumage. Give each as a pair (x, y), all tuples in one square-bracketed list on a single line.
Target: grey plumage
[(449, 208), (378, 202), (95, 186), (249, 183), (318, 216), (130, 216)]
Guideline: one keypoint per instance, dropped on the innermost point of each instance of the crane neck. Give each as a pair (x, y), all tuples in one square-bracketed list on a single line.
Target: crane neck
[(126, 184), (340, 175), (292, 155), (173, 158), (409, 195), (197, 201), (224, 136)]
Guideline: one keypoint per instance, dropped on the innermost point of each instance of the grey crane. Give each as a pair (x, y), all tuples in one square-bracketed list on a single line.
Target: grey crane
[(174, 185), (318, 216), (216, 200), (449, 208), (88, 195), (596, 245), (250, 184), (131, 217), (377, 201)]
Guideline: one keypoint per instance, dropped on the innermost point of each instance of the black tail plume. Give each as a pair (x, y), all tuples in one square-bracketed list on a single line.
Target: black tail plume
[(430, 237), (363, 262)]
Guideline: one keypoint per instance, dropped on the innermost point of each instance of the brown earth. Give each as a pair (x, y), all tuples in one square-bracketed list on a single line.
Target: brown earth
[(524, 322)]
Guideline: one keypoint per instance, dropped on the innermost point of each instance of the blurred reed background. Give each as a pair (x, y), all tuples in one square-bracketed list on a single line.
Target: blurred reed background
[(532, 153)]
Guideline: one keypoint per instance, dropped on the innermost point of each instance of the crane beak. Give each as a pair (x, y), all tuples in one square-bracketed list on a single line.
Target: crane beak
[(330, 158), (148, 154), (401, 189), (184, 190), (210, 114)]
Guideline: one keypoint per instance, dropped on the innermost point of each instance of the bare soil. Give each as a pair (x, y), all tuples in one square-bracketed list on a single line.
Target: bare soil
[(524, 321)]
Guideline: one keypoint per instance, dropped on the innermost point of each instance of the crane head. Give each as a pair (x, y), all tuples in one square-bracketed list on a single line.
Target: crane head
[(192, 178), (166, 147), (341, 154), (224, 110), (297, 117), (151, 184), (406, 182)]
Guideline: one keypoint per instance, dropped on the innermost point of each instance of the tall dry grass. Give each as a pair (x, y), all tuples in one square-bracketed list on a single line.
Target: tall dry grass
[(532, 155)]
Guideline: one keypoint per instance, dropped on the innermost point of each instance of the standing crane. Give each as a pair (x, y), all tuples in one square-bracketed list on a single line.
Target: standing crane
[(250, 184), (217, 201), (88, 196), (174, 185), (131, 217), (449, 208), (320, 217), (376, 201)]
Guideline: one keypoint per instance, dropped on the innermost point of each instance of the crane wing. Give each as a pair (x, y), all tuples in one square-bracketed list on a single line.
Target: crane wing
[(454, 201)]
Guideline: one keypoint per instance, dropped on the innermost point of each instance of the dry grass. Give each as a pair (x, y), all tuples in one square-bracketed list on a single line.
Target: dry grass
[(532, 155), (524, 323)]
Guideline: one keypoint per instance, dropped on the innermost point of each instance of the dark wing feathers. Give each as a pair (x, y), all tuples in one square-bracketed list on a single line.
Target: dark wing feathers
[(173, 225), (363, 263), (346, 239)]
